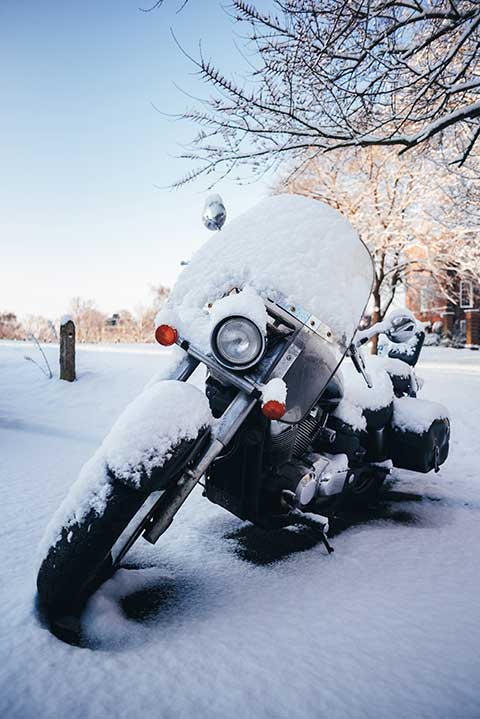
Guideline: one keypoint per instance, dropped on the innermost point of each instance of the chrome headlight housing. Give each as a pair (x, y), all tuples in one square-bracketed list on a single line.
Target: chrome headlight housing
[(237, 343)]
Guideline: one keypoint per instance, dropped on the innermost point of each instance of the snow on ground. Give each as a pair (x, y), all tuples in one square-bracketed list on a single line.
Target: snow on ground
[(206, 623)]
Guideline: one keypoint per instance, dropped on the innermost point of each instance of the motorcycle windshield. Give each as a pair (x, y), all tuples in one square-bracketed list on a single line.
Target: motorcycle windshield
[(290, 249), (309, 376)]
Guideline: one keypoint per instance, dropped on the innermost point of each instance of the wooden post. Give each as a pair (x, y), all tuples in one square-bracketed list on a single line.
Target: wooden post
[(67, 350)]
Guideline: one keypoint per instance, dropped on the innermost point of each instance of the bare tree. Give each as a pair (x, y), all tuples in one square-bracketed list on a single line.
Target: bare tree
[(89, 321), (406, 212), (146, 315), (158, 4), (329, 73), (40, 327), (160, 295), (10, 327)]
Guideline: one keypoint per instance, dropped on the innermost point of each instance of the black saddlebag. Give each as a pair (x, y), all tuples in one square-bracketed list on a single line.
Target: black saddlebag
[(420, 452)]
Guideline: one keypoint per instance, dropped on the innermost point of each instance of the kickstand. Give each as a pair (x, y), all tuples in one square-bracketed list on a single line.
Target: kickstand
[(316, 518), (323, 525), (327, 544)]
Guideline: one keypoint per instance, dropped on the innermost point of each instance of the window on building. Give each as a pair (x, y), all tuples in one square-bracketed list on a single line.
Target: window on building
[(424, 299), (428, 294), (466, 294)]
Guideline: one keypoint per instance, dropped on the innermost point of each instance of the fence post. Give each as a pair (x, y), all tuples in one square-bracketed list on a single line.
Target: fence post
[(67, 349)]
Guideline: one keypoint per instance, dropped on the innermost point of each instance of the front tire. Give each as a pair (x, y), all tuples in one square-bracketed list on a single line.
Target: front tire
[(82, 558), (81, 561), (93, 528)]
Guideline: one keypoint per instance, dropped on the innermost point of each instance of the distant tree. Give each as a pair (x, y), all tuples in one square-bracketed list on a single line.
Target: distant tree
[(160, 295), (40, 327), (329, 73), (146, 315), (406, 212), (123, 326), (10, 327), (146, 324), (89, 321)]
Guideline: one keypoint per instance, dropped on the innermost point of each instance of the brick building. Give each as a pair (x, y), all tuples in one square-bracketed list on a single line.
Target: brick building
[(459, 314)]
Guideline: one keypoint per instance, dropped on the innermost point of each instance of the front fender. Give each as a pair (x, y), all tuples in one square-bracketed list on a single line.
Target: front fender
[(144, 436)]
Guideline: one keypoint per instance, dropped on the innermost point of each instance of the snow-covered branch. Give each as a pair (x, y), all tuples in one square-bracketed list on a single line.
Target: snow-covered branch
[(418, 218), (328, 74)]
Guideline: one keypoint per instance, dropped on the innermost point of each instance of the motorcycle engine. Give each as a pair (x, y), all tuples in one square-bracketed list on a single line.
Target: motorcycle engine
[(299, 467), (293, 441)]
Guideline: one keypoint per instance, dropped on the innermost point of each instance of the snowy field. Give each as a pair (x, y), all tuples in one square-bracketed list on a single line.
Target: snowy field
[(218, 620)]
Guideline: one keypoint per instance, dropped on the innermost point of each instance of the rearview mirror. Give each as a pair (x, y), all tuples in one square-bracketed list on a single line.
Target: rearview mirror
[(403, 326), (214, 213)]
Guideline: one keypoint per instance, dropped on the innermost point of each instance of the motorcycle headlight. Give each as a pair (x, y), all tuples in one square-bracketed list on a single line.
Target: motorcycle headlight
[(237, 343)]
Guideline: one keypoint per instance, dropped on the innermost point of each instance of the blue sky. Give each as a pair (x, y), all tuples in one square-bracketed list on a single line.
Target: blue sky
[(81, 149)]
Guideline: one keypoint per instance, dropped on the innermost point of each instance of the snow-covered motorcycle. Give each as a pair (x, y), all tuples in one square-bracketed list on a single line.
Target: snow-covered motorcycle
[(270, 307)]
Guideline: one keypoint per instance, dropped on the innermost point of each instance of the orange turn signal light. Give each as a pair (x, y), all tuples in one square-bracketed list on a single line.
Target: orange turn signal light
[(166, 335), (273, 409)]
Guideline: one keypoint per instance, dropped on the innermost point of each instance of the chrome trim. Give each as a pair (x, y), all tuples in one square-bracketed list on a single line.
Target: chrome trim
[(233, 418), (223, 374), (332, 484), (184, 487), (309, 320), (185, 368), (134, 528), (245, 384), (292, 352), (330, 479)]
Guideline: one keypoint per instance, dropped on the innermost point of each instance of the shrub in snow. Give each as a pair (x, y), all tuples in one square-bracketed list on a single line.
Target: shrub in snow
[(432, 340), (47, 370)]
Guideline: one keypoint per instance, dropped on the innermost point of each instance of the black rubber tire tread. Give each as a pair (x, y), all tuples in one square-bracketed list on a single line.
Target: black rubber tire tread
[(80, 561)]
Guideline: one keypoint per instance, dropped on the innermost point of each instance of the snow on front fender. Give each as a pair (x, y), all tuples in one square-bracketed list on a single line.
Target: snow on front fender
[(151, 426), (142, 439)]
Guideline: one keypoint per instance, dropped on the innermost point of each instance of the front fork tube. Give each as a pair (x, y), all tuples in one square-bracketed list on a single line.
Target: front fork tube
[(173, 498), (185, 368)]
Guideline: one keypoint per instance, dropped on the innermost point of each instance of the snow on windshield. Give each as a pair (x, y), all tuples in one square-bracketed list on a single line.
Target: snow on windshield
[(287, 248)]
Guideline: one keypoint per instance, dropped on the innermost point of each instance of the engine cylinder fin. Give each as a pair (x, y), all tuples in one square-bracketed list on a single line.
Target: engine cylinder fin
[(282, 444), (307, 430)]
